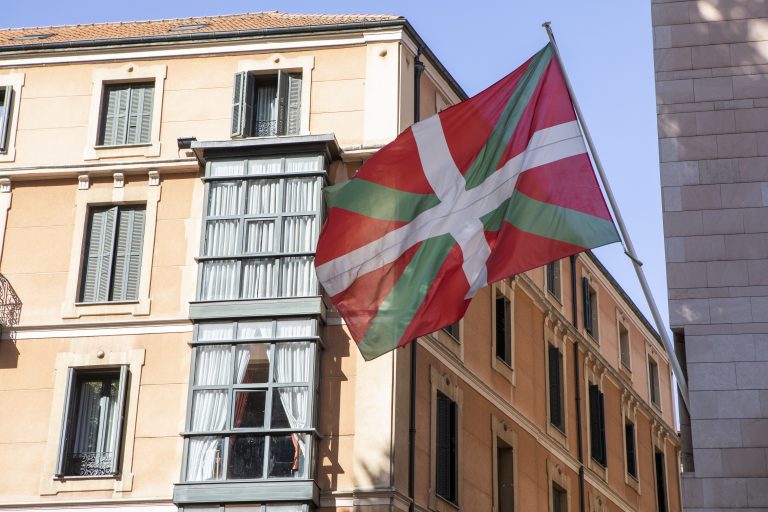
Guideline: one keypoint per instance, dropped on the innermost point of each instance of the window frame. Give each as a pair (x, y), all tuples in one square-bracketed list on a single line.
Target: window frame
[(629, 415), (501, 431), (106, 87), (229, 430), (597, 455), (278, 255), (660, 499), (451, 495), (621, 323), (15, 83), (244, 102), (446, 385), (654, 399), (590, 306), (562, 384), (506, 289), (557, 476), (557, 269)]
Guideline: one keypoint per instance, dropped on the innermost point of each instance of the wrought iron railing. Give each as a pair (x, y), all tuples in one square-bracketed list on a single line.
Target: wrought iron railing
[(264, 128), (89, 464), (10, 305)]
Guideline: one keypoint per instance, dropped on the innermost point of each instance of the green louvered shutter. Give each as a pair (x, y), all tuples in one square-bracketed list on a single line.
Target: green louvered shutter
[(140, 114), (6, 100), (66, 423), (294, 105), (238, 105), (98, 258), (130, 239), (282, 102), (122, 398), (115, 115)]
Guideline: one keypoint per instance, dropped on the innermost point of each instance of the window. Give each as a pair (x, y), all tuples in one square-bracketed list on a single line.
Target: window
[(251, 416), (624, 348), (556, 402), (630, 448), (653, 382), (6, 101), (661, 482), (503, 323), (505, 472), (112, 260), (266, 105), (590, 308), (446, 459), (261, 226), (93, 421), (126, 114), (597, 425), (559, 499), (553, 279), (453, 330)]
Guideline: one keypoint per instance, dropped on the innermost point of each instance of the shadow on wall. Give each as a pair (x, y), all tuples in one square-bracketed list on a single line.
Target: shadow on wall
[(9, 354)]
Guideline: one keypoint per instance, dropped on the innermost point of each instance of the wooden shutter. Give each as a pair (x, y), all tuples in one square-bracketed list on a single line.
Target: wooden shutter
[(66, 423), (661, 482), (453, 460), (5, 115), (594, 423), (294, 105), (122, 398), (629, 439), (99, 255), (129, 245), (140, 114), (503, 326), (442, 445), (555, 388), (587, 305), (282, 102), (115, 115), (238, 105), (603, 447)]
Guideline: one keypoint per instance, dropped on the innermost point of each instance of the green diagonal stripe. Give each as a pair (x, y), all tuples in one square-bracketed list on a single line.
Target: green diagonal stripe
[(399, 307), (551, 221), (487, 161), (377, 201)]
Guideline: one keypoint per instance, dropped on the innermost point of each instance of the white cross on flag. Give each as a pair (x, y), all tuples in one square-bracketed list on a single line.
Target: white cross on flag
[(494, 186)]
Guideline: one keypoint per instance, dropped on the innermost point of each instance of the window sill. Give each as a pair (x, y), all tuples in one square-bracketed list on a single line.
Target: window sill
[(557, 434), (503, 368), (78, 309), (440, 504), (598, 468), (632, 481), (116, 483), (147, 150)]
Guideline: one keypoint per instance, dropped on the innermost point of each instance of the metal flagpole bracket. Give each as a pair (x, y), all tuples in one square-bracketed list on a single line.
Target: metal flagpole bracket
[(629, 248)]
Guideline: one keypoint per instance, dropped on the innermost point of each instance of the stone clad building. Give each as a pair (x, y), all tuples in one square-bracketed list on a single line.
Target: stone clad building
[(160, 200), (712, 91)]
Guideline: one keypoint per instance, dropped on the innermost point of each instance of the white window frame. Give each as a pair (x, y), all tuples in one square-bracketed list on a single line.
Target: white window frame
[(505, 288), (148, 193), (447, 386), (134, 359), (124, 73), (16, 82)]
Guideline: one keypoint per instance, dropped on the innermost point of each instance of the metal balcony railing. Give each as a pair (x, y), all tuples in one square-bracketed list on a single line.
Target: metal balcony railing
[(10, 304)]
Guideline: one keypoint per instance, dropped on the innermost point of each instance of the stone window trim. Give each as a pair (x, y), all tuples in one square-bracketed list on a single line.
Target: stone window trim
[(279, 62), (86, 196), (557, 475), (621, 321), (507, 289), (125, 73), (594, 373), (449, 342), (629, 406), (597, 502), (446, 385), (123, 482), (555, 335), (592, 280), (659, 435), (501, 430), (554, 299), (652, 355), (16, 81)]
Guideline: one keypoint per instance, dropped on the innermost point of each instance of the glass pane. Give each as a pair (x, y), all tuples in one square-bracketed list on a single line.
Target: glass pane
[(249, 409), (289, 408), (295, 328), (95, 427), (204, 458), (213, 364), (301, 194), (252, 363), (258, 279), (219, 280), (263, 197), (246, 457), (264, 166), (215, 331), (221, 237), (293, 362), (255, 329), (298, 277), (209, 410), (224, 198), (304, 164), (227, 168), (287, 454), (259, 236), (299, 234)]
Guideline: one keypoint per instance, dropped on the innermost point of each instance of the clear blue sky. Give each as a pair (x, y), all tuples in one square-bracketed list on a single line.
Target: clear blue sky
[(606, 45)]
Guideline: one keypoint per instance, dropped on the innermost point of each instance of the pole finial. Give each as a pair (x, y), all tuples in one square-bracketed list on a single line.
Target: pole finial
[(546, 24)]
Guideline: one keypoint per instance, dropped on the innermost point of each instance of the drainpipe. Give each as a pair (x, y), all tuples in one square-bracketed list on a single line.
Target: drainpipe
[(577, 382), (418, 68)]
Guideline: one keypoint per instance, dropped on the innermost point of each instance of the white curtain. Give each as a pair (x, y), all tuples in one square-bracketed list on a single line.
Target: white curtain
[(227, 168), (297, 277), (266, 102), (299, 233), (257, 329), (264, 166), (260, 235), (294, 364), (97, 421), (219, 280), (224, 199), (221, 237), (263, 197), (213, 366), (303, 164), (301, 195), (258, 279), (295, 328)]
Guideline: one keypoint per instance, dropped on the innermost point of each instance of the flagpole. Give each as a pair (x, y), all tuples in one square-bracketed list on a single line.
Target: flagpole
[(628, 246)]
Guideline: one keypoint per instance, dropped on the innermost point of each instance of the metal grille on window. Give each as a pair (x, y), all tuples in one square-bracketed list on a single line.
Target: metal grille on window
[(251, 410), (261, 229)]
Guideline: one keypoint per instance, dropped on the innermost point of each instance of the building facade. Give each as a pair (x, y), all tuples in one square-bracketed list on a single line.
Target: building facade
[(711, 93), (160, 200)]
